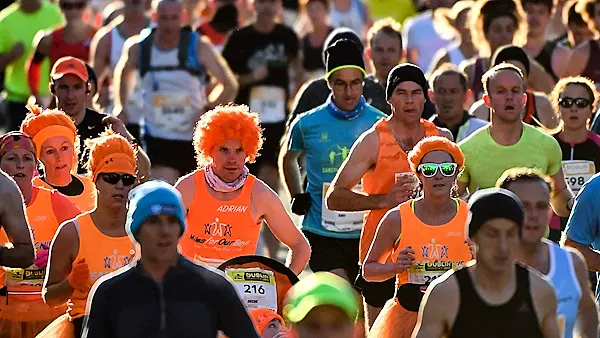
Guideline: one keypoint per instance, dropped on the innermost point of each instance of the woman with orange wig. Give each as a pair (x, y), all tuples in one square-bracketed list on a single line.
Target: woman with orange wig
[(95, 243), (55, 137), (421, 239), (23, 313), (226, 204)]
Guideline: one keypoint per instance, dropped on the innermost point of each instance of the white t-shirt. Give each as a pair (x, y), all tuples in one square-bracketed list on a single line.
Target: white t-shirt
[(420, 33)]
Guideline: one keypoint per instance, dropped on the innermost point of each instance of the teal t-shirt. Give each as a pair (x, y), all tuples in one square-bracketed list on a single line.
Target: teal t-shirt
[(326, 141), (486, 160)]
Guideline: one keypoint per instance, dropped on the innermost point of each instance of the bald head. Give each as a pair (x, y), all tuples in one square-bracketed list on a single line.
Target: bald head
[(168, 16), (161, 5)]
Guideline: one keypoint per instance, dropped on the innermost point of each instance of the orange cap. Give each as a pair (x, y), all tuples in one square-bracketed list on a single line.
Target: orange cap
[(69, 65), (262, 317)]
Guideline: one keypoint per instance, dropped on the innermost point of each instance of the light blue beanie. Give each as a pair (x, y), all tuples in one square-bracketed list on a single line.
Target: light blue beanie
[(153, 198)]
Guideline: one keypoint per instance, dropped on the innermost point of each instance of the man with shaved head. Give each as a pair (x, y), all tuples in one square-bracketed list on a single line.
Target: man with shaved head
[(172, 63)]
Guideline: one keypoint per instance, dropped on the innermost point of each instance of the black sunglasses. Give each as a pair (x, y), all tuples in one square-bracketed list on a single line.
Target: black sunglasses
[(114, 178), (568, 102), (71, 5)]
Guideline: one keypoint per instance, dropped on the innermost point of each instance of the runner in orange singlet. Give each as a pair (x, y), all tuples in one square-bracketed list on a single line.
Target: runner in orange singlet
[(23, 313), (379, 158), (95, 243), (54, 135), (72, 39), (422, 237), (226, 204)]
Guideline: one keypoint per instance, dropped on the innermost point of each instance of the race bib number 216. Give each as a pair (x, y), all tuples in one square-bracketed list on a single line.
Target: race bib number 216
[(255, 286)]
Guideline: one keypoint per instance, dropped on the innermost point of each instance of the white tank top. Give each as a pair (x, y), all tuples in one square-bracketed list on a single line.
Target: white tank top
[(173, 99), (351, 19), (116, 48)]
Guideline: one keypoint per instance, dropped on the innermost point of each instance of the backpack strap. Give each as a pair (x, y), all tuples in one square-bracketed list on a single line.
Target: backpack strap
[(145, 53)]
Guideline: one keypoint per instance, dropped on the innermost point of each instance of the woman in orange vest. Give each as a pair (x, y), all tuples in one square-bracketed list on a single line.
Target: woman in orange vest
[(23, 313), (95, 243), (55, 137), (424, 237)]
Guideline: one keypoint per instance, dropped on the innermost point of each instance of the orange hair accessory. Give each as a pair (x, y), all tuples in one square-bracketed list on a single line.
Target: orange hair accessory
[(262, 317), (435, 143), (110, 153), (42, 125), (224, 123)]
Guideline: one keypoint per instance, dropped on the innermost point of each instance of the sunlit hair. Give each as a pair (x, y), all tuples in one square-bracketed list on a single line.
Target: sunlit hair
[(388, 26), (570, 15), (584, 82), (485, 79), (448, 17), (522, 174), (224, 123), (485, 11), (37, 119), (106, 144), (587, 9), (449, 69), (435, 143)]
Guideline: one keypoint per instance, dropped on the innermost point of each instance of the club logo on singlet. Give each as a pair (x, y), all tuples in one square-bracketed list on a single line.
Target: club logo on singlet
[(220, 234), (38, 245), (113, 262), (336, 155), (434, 250)]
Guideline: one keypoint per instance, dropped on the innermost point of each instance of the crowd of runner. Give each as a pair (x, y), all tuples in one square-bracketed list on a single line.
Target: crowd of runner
[(428, 169)]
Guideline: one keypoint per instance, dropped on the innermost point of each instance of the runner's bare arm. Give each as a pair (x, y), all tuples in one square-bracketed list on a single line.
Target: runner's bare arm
[(289, 169), (563, 197), (124, 78), (560, 60), (63, 251), (41, 46), (187, 187), (20, 253), (269, 207), (375, 268), (539, 79), (361, 159), (548, 117), (545, 303), (218, 68), (579, 59), (439, 308), (588, 311), (100, 54)]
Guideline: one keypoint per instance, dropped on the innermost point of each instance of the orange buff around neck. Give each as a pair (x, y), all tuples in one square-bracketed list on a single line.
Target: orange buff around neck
[(52, 131), (115, 163)]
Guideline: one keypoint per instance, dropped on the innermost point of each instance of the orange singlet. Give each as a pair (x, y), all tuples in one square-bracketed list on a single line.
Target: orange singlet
[(103, 254), (438, 248), (390, 161), (86, 201), (60, 47), (219, 230)]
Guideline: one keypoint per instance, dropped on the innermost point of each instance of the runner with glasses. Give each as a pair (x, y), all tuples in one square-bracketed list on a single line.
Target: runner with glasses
[(424, 237), (576, 100), (95, 243)]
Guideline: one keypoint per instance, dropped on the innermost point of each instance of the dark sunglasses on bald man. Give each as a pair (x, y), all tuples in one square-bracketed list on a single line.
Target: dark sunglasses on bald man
[(114, 178)]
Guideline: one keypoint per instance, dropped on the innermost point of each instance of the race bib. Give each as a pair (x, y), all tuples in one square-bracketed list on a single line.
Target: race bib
[(173, 112), (30, 277), (427, 272), (269, 103), (255, 286), (340, 221), (578, 172)]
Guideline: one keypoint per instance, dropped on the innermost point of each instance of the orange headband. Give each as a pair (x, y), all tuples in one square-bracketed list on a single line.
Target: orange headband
[(52, 131), (115, 163), (435, 143), (262, 318)]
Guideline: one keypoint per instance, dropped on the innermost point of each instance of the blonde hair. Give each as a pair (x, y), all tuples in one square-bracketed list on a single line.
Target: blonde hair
[(485, 11)]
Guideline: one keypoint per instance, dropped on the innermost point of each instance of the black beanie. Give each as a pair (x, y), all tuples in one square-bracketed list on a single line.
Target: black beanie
[(343, 54), (405, 72), (492, 203), (511, 52), (341, 33)]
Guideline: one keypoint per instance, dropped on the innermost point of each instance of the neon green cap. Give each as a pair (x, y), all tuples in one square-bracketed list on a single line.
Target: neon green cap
[(320, 288)]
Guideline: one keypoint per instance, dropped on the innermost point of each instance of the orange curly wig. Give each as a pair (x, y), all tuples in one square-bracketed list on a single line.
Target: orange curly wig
[(434, 143), (223, 123), (110, 152), (42, 125)]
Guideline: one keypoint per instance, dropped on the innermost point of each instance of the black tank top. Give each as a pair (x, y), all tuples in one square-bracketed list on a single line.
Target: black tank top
[(514, 319), (544, 58), (592, 69)]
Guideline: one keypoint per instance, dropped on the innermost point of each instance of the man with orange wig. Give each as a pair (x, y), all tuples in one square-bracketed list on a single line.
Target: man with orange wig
[(95, 243), (23, 313), (226, 204), (421, 238)]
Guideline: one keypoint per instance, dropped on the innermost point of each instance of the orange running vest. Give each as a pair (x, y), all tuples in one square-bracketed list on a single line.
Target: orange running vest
[(86, 201), (219, 230), (390, 161), (438, 248)]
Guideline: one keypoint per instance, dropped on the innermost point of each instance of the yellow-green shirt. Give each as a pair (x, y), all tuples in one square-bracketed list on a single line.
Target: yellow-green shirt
[(398, 10), (486, 160), (17, 26)]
